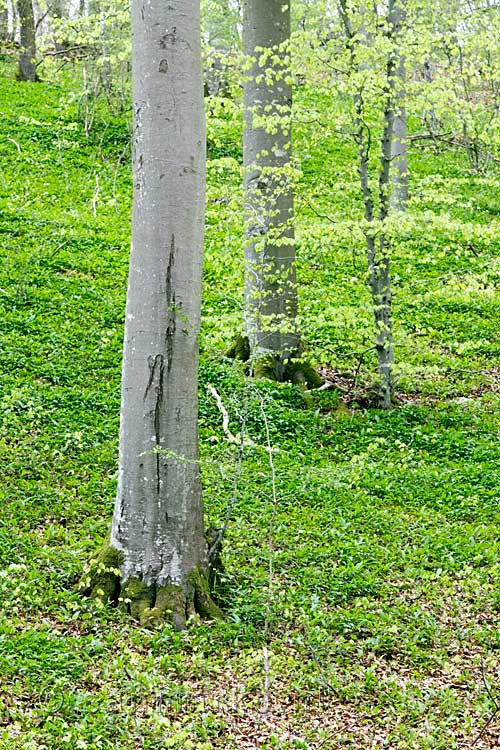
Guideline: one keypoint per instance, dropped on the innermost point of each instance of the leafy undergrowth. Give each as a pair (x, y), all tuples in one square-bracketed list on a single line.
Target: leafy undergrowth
[(378, 627)]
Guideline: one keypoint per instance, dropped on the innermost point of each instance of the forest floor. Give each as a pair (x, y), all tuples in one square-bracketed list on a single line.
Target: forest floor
[(379, 624)]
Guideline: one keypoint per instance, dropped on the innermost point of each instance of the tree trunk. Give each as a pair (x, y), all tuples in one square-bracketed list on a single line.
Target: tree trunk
[(4, 24), (429, 115), (27, 67), (399, 196), (221, 34), (157, 535), (377, 241), (58, 11), (270, 277)]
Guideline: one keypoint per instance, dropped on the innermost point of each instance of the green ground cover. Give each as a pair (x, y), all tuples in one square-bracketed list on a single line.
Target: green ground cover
[(380, 618)]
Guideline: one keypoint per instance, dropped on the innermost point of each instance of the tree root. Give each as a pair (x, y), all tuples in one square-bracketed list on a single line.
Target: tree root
[(293, 370), (102, 579), (239, 349), (151, 605)]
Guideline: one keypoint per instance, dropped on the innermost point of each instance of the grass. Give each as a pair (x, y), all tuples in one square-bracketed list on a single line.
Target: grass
[(382, 627)]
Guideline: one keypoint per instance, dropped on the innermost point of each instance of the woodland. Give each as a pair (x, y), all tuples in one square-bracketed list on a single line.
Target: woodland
[(249, 375)]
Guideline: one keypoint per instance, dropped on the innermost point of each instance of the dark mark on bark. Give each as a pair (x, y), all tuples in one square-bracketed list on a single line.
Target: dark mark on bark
[(121, 516), (156, 366), (168, 38), (159, 399), (152, 364), (171, 307)]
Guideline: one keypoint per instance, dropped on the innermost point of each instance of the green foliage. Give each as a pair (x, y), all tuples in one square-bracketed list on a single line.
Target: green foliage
[(383, 608)]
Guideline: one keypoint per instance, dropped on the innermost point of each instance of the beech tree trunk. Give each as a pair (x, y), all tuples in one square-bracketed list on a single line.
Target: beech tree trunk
[(270, 278), (157, 537), (221, 35), (399, 196), (399, 148), (27, 67), (4, 24), (58, 11), (377, 241)]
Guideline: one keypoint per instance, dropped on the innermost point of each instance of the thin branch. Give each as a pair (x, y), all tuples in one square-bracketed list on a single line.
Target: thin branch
[(41, 20), (270, 451), (493, 700), (234, 496)]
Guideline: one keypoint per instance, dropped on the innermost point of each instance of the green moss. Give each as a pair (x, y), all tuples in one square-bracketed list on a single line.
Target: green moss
[(170, 606), (102, 580), (300, 372), (203, 602), (110, 557), (265, 367), (295, 371), (239, 349), (137, 596)]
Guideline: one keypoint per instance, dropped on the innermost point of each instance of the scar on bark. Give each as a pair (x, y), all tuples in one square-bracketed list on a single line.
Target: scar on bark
[(293, 370), (156, 366), (171, 307), (151, 605)]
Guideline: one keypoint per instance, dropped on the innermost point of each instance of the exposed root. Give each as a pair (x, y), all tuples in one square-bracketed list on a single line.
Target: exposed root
[(203, 602), (171, 605), (303, 373), (136, 597), (239, 349), (102, 579), (152, 606), (293, 370)]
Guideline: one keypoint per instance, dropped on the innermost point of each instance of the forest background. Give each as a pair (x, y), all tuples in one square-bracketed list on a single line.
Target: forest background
[(362, 556)]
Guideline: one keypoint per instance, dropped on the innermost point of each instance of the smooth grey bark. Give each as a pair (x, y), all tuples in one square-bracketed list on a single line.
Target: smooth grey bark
[(27, 66), (379, 260), (270, 313), (158, 521), (399, 197)]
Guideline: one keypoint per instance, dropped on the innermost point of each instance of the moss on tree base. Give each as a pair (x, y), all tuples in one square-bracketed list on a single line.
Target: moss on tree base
[(102, 579), (268, 366), (151, 605), (239, 349), (203, 602)]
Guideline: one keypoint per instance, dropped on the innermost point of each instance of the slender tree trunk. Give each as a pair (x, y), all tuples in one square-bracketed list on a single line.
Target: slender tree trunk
[(378, 254), (399, 197), (377, 241), (270, 276), (4, 24), (27, 67), (380, 267), (157, 534), (429, 116), (222, 38), (58, 10)]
